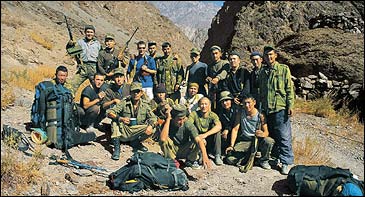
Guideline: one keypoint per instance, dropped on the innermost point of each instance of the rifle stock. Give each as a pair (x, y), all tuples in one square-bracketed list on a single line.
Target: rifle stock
[(72, 49), (121, 53)]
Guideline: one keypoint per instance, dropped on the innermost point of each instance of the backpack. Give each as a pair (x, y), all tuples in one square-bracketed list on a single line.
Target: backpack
[(319, 180), (55, 112), (148, 170)]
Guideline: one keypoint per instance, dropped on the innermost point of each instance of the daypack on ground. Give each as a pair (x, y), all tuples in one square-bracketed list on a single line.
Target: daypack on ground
[(55, 112), (319, 180), (148, 171)]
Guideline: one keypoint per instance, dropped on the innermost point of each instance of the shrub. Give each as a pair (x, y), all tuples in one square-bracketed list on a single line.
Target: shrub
[(43, 42), (309, 151)]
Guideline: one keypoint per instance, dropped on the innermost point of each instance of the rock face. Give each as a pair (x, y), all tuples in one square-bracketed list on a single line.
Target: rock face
[(335, 53), (250, 25)]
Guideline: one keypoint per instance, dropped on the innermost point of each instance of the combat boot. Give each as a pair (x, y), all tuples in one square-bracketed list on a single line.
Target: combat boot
[(116, 153)]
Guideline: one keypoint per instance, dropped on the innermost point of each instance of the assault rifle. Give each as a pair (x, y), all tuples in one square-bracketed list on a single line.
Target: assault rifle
[(72, 48), (121, 56)]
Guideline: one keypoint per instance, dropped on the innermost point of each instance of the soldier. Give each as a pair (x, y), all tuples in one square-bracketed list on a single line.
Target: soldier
[(215, 75), (191, 99), (209, 127), (179, 138), (197, 71), (132, 121), (237, 80), (256, 60), (88, 61), (142, 68), (91, 100), (169, 72), (277, 98), (117, 90), (152, 49), (108, 58)]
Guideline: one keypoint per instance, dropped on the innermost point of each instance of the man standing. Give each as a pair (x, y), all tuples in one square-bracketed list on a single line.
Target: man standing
[(152, 49), (142, 68), (277, 98), (214, 74), (237, 81), (108, 58), (124, 128), (169, 72), (197, 71), (209, 127), (88, 58), (179, 138), (256, 60)]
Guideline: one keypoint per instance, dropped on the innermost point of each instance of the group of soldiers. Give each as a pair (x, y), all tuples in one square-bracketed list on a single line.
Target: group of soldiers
[(194, 112)]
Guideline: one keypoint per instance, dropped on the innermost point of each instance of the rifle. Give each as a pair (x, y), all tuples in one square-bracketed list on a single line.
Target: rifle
[(72, 49), (121, 56)]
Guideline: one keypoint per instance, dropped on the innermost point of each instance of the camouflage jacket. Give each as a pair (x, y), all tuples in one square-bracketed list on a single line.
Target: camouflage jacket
[(170, 72)]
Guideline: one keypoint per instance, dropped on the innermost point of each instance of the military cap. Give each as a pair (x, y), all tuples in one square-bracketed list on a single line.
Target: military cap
[(215, 47), (255, 53), (150, 43), (193, 85), (161, 88), (166, 44), (118, 71), (109, 36), (225, 95), (89, 27), (178, 110), (235, 53), (195, 51), (268, 48), (136, 86)]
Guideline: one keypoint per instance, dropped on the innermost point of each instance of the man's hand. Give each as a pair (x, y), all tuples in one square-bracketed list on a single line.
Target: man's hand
[(259, 133), (229, 149), (225, 134), (290, 112), (206, 163), (176, 87), (168, 109), (71, 43), (215, 80), (116, 101), (237, 101), (125, 120), (101, 94)]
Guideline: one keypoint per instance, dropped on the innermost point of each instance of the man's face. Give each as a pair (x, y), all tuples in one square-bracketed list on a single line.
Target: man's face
[(141, 49), (89, 33), (119, 79), (270, 57), (227, 104), (194, 57), (152, 49), (110, 43), (166, 50), (234, 60), (136, 94), (216, 55), (249, 104), (61, 77), (193, 91), (179, 121), (256, 61), (204, 105), (99, 80), (161, 96)]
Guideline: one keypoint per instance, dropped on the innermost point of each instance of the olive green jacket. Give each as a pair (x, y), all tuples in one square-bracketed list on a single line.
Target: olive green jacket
[(276, 88), (169, 72)]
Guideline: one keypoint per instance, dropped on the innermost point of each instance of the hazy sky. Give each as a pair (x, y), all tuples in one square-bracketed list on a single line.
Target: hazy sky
[(218, 3)]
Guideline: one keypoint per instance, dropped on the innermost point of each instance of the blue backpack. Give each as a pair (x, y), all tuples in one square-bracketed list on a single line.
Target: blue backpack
[(55, 112)]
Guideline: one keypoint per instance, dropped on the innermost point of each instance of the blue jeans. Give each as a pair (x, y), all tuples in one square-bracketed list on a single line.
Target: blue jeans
[(280, 130)]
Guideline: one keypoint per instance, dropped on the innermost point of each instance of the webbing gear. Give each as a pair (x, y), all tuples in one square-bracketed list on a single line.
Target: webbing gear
[(38, 136)]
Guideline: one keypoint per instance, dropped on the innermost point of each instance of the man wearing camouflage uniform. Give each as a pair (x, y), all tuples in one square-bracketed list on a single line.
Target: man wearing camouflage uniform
[(169, 72), (121, 114)]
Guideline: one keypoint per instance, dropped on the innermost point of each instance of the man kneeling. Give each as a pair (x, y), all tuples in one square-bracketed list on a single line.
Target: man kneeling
[(132, 121)]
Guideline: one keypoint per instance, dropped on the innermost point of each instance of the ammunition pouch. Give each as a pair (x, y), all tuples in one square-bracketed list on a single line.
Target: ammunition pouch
[(74, 50)]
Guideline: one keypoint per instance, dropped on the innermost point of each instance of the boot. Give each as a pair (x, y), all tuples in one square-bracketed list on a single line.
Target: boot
[(116, 153)]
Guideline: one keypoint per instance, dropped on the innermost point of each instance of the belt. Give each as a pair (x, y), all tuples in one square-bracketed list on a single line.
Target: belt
[(89, 62)]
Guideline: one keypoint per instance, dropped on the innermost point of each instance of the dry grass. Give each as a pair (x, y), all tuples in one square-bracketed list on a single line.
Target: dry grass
[(309, 152), (79, 91), (323, 107), (16, 173), (43, 42), (13, 22), (26, 78)]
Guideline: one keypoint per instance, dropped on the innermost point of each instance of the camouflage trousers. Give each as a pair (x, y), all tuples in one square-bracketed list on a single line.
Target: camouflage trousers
[(242, 150), (129, 133), (188, 151), (85, 71)]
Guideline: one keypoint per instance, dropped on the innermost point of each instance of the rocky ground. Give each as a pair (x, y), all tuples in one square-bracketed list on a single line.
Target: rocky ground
[(220, 180)]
